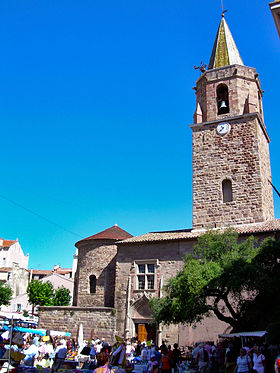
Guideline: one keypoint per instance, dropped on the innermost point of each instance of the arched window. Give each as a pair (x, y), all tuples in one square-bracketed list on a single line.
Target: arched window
[(92, 284), (222, 99), (227, 190)]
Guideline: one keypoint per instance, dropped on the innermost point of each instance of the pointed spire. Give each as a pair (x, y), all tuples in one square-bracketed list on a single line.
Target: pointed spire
[(225, 51)]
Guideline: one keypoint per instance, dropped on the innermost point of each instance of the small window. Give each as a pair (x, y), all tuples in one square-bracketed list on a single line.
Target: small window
[(222, 99), (146, 275), (151, 268), (151, 282), (141, 282), (227, 190), (141, 268), (4, 262), (92, 284)]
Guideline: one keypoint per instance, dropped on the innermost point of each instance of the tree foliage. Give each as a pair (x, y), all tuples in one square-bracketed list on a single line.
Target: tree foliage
[(40, 293), (226, 277), (62, 297), (5, 294), (43, 294)]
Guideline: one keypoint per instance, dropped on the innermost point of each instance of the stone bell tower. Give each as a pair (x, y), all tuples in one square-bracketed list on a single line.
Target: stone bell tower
[(231, 162)]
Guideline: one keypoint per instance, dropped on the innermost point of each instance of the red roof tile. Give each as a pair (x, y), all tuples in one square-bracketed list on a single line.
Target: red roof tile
[(112, 233), (47, 272), (5, 269), (8, 243), (185, 234), (63, 270), (40, 271)]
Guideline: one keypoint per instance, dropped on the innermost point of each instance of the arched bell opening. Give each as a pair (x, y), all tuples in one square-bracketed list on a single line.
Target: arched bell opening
[(222, 99)]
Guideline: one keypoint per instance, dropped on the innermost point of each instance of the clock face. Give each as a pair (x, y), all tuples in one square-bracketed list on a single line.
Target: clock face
[(223, 128)]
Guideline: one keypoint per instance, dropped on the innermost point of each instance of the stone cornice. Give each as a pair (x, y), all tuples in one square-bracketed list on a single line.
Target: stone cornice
[(74, 308), (232, 119)]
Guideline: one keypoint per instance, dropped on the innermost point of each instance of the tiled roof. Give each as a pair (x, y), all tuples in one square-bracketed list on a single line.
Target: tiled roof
[(7, 243), (225, 51), (112, 233), (5, 269), (63, 270), (40, 271), (46, 272), (186, 234)]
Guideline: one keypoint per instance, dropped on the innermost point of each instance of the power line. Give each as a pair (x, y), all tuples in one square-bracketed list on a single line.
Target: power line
[(40, 216)]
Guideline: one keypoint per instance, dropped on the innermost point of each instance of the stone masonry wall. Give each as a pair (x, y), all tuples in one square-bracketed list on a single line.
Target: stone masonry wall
[(170, 256), (245, 95), (265, 172), (97, 322), (240, 156), (95, 257)]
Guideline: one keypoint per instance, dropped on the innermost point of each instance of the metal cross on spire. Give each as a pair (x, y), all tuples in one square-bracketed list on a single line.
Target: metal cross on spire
[(223, 10)]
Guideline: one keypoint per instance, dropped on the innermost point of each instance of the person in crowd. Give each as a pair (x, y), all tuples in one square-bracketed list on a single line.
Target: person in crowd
[(153, 365), (202, 359), (92, 353), (259, 362), (129, 351), (42, 361), (36, 340), (207, 347), (144, 352), (30, 351), (138, 349), (50, 350), (176, 356), (212, 356), (171, 357), (220, 357), (195, 351), (165, 362), (98, 347), (163, 346), (243, 363), (158, 356), (230, 359), (102, 363), (60, 355)]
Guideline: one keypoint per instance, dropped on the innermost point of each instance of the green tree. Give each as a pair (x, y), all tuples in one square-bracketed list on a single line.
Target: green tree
[(25, 313), (62, 297), (5, 294), (43, 294), (223, 276), (40, 293)]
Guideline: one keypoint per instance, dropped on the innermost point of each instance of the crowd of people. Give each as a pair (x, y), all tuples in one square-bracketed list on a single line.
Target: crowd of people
[(98, 356), (231, 357), (31, 350), (224, 357)]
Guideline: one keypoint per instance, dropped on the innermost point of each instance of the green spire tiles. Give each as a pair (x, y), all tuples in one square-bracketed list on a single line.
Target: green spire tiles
[(225, 51)]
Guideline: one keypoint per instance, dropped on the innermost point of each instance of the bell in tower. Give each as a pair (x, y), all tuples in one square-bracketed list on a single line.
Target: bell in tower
[(222, 99)]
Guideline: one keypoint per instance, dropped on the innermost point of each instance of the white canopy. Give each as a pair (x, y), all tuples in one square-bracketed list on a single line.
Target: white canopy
[(244, 334)]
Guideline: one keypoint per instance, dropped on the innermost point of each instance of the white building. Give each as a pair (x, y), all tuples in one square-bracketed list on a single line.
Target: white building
[(11, 252)]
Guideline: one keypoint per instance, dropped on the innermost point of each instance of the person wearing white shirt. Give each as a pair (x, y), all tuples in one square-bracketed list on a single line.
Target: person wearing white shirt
[(30, 352), (60, 355), (243, 363)]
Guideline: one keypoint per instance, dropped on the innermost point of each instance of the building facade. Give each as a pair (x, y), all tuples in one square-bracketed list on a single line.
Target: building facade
[(231, 187)]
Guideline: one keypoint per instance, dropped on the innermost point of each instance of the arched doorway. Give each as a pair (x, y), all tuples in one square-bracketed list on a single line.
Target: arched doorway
[(145, 328)]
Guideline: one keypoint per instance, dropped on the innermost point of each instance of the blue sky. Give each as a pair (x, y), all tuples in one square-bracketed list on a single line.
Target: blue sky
[(95, 104)]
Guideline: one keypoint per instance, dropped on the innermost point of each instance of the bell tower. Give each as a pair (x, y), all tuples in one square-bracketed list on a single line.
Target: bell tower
[(231, 162)]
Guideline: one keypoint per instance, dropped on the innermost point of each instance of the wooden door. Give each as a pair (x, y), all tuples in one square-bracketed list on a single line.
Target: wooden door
[(142, 332)]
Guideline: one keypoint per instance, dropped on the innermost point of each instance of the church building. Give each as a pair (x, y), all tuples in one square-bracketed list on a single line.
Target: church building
[(117, 274)]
